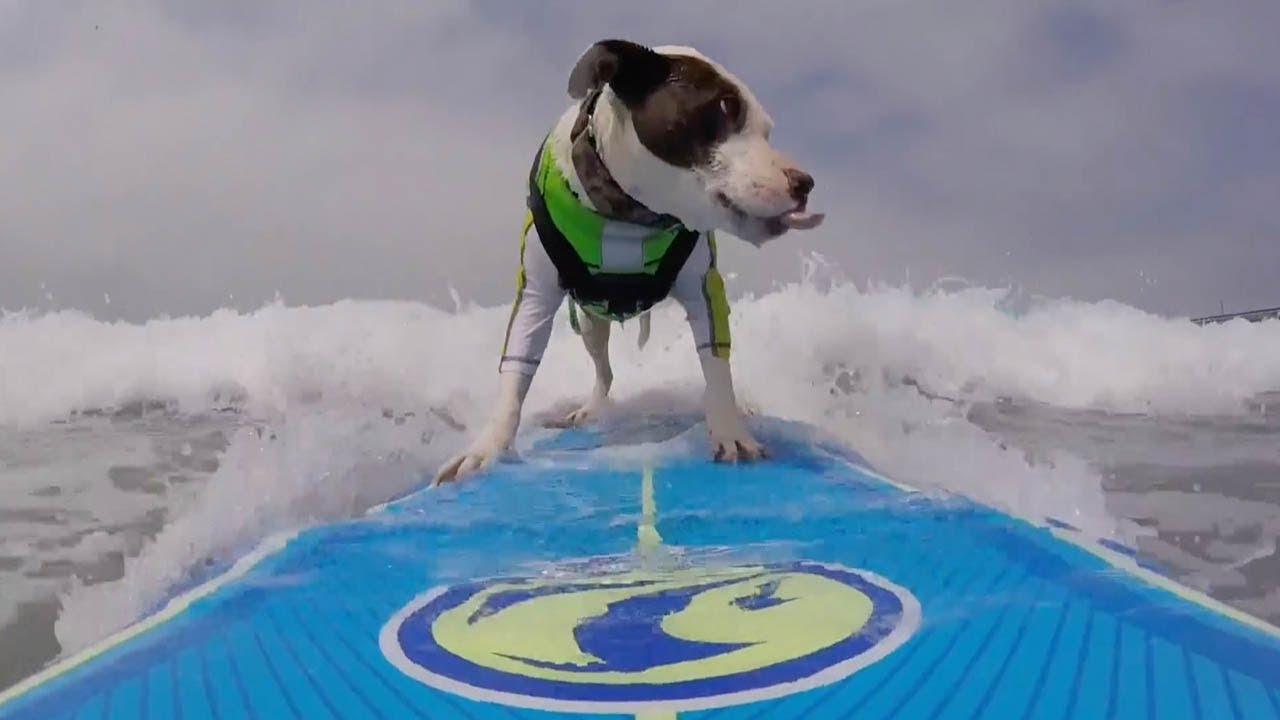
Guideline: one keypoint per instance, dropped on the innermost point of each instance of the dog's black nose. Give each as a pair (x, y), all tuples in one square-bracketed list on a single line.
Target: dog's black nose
[(801, 183)]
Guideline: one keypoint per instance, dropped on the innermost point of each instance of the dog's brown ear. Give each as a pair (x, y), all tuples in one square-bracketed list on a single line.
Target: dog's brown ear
[(631, 69)]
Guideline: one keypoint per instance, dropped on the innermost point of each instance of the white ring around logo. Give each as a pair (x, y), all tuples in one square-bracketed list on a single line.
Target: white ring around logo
[(637, 642)]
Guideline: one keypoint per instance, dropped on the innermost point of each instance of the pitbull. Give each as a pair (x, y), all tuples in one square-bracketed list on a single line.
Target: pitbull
[(662, 147)]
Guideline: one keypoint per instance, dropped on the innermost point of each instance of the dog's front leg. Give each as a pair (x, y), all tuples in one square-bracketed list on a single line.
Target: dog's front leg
[(498, 433), (538, 295), (700, 290), (730, 439)]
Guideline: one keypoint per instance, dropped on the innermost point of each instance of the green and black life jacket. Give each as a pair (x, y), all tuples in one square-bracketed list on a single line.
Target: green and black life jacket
[(610, 268)]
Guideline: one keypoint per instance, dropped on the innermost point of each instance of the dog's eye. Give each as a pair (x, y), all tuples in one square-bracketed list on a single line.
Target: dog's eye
[(731, 107), (712, 124), (719, 120)]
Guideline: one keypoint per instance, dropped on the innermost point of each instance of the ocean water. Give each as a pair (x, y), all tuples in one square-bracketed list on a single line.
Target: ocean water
[(133, 455)]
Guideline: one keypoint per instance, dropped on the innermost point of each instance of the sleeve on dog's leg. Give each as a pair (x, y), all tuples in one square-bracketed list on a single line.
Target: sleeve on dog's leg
[(700, 290), (717, 313), (538, 297)]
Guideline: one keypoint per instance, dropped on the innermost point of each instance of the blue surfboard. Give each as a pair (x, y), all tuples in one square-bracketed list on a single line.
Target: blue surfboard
[(597, 577)]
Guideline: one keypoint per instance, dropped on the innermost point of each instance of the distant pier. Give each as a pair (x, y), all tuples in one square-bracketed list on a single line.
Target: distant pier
[(1251, 316)]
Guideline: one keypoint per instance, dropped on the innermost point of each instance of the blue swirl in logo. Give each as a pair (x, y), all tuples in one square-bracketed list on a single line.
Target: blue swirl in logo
[(688, 639)]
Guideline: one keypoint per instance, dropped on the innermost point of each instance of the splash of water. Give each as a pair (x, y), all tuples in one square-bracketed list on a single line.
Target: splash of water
[(351, 404)]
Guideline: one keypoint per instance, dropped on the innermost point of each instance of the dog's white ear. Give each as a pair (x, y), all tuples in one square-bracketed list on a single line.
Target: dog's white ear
[(631, 69)]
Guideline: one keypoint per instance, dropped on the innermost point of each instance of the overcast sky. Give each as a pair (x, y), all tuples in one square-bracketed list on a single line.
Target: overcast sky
[(182, 156)]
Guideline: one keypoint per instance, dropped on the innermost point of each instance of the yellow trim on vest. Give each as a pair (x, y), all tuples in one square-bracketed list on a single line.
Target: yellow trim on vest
[(717, 304), (520, 282)]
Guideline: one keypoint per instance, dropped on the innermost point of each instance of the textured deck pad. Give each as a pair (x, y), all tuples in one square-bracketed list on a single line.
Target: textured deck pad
[(578, 582)]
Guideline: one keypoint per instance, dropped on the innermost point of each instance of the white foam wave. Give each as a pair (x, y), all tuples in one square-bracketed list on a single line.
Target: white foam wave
[(963, 343), (883, 369), (315, 465)]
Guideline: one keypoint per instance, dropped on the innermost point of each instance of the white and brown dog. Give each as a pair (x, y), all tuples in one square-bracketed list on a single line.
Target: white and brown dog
[(662, 147)]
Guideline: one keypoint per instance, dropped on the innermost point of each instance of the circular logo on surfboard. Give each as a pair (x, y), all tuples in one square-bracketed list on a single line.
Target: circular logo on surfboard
[(626, 642)]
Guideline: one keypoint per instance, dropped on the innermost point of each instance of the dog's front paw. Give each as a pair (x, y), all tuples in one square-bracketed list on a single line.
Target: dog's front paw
[(478, 456), (743, 448), (732, 442), (459, 465)]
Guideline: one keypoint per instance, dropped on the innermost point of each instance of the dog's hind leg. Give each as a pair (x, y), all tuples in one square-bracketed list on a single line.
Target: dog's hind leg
[(595, 336), (644, 331)]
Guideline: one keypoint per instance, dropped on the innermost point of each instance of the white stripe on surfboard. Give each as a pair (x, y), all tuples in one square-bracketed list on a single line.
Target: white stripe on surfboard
[(171, 609)]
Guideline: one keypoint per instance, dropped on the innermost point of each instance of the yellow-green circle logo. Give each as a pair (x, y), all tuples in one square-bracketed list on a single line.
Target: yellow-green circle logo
[(625, 642)]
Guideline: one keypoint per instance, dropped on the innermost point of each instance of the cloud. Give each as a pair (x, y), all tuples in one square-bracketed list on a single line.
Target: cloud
[(186, 155)]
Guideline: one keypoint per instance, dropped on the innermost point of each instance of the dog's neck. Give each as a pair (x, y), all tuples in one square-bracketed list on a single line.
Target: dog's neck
[(605, 193)]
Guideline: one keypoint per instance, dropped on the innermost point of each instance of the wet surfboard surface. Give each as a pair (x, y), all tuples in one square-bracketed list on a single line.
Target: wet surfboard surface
[(618, 572)]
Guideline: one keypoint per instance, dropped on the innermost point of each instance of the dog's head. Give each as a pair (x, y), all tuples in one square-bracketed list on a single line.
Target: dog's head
[(688, 138)]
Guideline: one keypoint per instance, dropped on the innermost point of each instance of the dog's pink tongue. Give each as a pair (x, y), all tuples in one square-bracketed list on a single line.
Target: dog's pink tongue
[(802, 219)]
